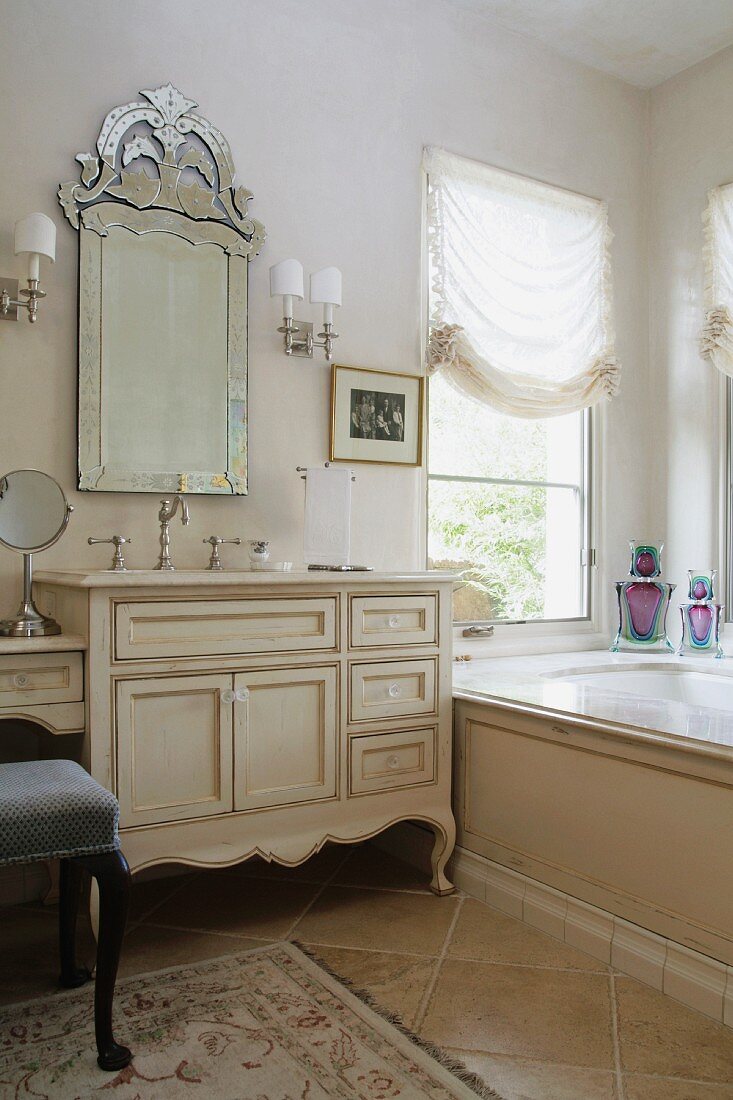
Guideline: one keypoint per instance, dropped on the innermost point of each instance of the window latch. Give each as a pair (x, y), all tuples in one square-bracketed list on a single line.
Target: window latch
[(478, 631)]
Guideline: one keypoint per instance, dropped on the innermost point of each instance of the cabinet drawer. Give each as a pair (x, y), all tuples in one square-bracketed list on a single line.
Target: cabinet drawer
[(202, 628), (41, 678), (382, 761), (390, 689), (393, 620)]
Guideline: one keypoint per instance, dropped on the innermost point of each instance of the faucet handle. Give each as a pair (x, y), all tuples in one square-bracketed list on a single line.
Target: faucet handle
[(118, 541), (215, 542)]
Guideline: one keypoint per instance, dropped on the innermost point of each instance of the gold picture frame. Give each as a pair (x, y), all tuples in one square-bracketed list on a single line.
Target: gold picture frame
[(376, 416)]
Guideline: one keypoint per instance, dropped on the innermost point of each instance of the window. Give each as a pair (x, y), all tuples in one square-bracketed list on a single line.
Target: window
[(728, 506), (520, 349), (508, 507)]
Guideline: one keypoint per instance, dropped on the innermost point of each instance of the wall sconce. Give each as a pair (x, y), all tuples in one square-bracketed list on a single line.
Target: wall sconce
[(286, 280), (36, 235)]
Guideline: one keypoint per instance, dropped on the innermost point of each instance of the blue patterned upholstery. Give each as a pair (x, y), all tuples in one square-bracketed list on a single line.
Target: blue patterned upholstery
[(53, 808)]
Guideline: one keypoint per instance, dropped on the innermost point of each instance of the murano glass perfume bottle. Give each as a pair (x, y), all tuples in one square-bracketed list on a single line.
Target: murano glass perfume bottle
[(701, 616), (643, 602)]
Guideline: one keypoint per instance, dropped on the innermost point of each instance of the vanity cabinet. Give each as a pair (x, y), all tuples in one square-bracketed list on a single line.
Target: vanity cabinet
[(245, 713)]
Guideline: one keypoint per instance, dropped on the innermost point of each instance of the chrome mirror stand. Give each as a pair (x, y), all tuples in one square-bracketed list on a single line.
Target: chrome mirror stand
[(29, 622)]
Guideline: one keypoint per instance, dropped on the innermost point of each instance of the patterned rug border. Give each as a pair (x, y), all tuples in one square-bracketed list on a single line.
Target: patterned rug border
[(452, 1065)]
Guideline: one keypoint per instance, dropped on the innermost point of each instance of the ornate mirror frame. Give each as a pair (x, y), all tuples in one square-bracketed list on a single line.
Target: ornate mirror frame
[(160, 168)]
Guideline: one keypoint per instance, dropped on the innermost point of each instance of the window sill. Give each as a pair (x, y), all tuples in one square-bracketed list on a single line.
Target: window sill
[(511, 640)]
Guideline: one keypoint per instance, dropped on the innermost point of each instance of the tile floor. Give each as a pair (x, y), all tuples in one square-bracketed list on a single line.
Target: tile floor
[(536, 1018)]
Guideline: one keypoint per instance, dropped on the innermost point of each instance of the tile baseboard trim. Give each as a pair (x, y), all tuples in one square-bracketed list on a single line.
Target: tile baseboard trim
[(694, 979)]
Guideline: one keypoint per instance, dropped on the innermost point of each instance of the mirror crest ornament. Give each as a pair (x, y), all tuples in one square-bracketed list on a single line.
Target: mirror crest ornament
[(160, 168)]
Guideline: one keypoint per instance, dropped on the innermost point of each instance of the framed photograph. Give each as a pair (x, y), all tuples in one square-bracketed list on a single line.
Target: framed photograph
[(376, 416)]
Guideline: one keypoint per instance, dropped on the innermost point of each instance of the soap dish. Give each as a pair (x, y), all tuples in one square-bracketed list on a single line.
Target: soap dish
[(271, 566)]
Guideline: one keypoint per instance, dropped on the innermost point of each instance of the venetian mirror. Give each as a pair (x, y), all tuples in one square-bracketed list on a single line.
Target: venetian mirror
[(165, 239)]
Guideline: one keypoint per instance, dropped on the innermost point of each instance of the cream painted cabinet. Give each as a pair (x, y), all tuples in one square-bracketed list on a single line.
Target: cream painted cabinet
[(250, 713), (174, 748), (285, 736)]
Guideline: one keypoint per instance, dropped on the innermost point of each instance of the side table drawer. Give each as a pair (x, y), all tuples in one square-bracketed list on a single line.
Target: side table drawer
[(41, 678)]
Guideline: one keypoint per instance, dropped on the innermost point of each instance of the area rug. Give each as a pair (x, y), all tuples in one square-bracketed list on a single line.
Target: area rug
[(269, 1024)]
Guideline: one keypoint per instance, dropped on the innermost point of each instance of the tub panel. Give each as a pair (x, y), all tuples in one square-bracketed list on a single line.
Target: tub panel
[(624, 833)]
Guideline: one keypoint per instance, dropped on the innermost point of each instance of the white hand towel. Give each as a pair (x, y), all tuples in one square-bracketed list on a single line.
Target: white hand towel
[(327, 534)]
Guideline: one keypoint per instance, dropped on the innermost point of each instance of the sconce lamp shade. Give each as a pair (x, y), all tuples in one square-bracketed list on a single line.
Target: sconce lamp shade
[(36, 233), (286, 278), (326, 286)]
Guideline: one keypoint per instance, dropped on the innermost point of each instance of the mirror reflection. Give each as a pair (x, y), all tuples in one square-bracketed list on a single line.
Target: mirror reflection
[(33, 510)]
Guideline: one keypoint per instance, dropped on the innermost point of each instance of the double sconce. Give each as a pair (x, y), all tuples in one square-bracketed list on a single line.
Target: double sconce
[(286, 280), (36, 235)]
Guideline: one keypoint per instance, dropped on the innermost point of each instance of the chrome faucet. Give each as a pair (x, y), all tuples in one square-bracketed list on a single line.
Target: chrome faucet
[(165, 515)]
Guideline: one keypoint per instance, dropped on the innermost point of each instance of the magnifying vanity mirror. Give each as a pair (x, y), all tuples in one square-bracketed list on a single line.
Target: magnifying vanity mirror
[(33, 516), (165, 240)]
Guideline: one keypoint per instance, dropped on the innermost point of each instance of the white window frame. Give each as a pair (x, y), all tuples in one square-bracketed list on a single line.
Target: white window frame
[(725, 525), (508, 637)]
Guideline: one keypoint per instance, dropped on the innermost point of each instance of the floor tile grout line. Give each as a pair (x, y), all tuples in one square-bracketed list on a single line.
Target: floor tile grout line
[(710, 1082), (528, 1059), (419, 1017), (187, 880), (615, 1037), (317, 895), (460, 958)]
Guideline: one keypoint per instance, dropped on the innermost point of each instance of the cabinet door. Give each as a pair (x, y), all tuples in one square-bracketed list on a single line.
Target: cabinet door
[(285, 734), (174, 748)]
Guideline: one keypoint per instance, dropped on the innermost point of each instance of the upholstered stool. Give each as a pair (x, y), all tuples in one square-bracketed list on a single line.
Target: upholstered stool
[(52, 809)]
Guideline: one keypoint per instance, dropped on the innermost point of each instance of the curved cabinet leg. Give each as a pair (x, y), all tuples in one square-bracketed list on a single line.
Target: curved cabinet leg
[(445, 839)]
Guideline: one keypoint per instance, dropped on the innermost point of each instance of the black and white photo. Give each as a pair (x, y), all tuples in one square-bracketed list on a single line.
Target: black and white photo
[(376, 416)]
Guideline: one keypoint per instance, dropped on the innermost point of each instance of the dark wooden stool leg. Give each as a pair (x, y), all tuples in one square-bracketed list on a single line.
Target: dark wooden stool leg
[(113, 878), (69, 893)]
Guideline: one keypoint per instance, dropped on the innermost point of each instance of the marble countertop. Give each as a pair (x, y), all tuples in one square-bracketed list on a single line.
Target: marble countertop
[(145, 578), (57, 643), (540, 684)]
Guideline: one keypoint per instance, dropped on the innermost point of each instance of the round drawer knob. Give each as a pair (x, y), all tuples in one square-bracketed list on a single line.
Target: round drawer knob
[(394, 691), (394, 620), (393, 762), (20, 679), (242, 695), (228, 696)]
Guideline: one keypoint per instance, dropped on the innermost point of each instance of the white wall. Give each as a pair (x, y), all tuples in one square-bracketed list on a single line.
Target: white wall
[(326, 106), (691, 150)]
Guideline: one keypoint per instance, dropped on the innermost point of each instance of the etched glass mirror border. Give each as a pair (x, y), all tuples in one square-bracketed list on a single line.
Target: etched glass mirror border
[(34, 514), (162, 169)]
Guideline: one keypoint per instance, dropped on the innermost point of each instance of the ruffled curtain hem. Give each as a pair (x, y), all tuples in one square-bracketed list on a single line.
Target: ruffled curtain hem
[(451, 352), (716, 339)]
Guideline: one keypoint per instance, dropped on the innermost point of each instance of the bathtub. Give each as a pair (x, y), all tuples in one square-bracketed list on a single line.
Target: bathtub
[(654, 694), (607, 777)]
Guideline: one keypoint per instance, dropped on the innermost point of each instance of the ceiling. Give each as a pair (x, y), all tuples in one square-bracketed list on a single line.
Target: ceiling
[(641, 41)]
